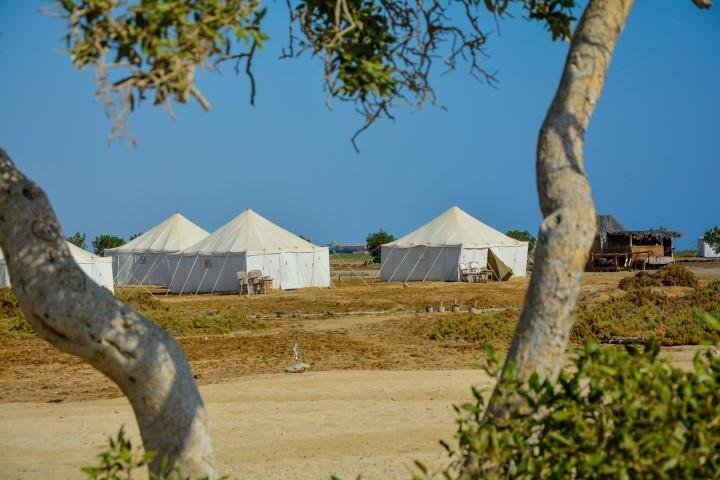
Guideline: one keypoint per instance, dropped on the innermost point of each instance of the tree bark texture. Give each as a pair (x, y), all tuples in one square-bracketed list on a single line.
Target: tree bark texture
[(79, 317), (569, 224)]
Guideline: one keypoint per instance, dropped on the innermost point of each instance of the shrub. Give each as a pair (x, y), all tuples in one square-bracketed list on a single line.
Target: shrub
[(523, 236), (12, 320), (672, 275), (484, 328), (712, 238), (375, 240), (612, 413)]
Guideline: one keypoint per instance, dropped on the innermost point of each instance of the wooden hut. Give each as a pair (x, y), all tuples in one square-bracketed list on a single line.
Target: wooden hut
[(616, 248)]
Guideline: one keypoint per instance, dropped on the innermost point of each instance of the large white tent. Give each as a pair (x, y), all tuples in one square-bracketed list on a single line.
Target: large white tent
[(99, 269), (436, 250), (249, 242), (143, 260)]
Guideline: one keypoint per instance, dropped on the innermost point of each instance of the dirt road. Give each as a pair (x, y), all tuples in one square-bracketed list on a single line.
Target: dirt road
[(305, 426)]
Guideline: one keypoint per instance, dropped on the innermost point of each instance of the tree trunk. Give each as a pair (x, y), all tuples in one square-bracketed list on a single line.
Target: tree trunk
[(79, 317), (569, 224)]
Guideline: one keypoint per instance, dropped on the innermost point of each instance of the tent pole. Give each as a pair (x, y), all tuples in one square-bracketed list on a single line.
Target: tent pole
[(417, 262), (433, 264), (222, 269), (182, 289), (205, 274), (401, 262), (174, 273)]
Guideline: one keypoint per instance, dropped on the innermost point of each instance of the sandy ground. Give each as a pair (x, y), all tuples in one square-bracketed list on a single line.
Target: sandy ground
[(379, 396), (303, 426)]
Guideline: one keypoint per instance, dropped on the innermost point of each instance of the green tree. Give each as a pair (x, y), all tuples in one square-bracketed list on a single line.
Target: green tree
[(712, 238), (102, 242), (134, 236), (523, 236), (375, 240), (77, 239)]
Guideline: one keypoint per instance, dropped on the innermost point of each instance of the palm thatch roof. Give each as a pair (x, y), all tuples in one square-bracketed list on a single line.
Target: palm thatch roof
[(608, 224)]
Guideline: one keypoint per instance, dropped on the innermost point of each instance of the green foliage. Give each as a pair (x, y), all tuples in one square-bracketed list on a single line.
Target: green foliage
[(153, 47), (119, 461), (102, 242), (646, 313), (523, 236), (134, 236), (690, 252), (375, 240), (12, 320), (78, 239), (712, 238), (641, 313), (612, 413), (483, 328), (375, 53), (672, 275), (675, 275)]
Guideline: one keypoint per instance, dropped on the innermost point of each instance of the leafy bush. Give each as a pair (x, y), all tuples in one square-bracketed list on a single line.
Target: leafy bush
[(523, 236), (102, 242), (645, 313), (119, 461), (612, 413), (672, 275), (12, 320), (639, 280), (712, 238), (77, 239), (483, 328), (675, 275), (375, 240), (641, 313)]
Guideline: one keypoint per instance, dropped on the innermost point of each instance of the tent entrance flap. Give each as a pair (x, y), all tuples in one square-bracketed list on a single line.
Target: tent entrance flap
[(498, 266)]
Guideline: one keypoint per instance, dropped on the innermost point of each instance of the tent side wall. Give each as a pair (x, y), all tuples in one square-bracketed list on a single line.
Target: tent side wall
[(291, 270), (218, 273), (204, 273), (99, 272), (514, 257), (419, 263), (141, 268)]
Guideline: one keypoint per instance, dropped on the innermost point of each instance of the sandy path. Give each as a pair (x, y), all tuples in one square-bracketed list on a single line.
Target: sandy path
[(267, 426)]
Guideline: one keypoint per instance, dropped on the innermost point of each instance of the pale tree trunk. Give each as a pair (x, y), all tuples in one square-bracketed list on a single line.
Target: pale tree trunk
[(79, 317), (569, 224)]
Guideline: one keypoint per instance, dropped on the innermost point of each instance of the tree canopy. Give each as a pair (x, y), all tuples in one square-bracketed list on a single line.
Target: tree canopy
[(78, 239), (375, 54), (712, 238), (375, 240), (104, 241)]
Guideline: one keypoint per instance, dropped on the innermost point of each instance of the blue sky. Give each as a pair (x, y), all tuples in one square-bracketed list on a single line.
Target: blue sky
[(651, 149)]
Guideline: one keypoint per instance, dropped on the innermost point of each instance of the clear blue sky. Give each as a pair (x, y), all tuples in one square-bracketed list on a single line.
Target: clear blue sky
[(651, 152)]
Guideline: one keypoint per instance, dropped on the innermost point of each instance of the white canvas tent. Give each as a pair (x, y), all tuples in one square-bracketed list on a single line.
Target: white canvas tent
[(249, 242), (143, 260), (705, 250), (436, 250), (99, 269)]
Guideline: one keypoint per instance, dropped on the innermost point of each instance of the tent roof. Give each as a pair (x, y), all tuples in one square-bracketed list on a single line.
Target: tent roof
[(455, 227), (249, 232), (172, 234)]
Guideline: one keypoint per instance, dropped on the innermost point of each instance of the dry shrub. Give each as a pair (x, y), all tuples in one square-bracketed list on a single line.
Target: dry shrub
[(672, 275)]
